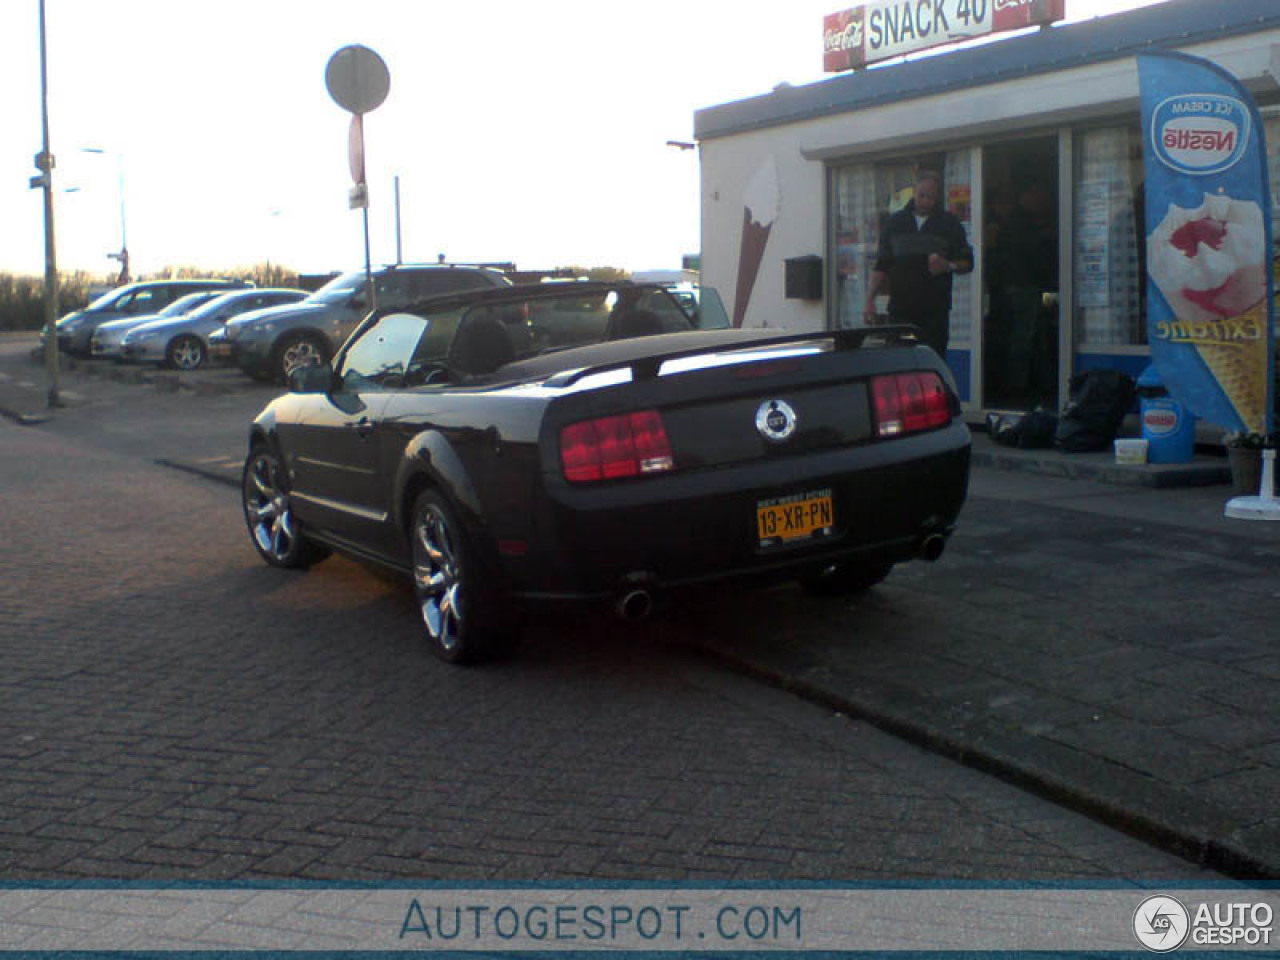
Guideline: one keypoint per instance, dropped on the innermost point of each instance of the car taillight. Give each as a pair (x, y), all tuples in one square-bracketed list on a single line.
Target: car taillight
[(907, 402), (609, 448)]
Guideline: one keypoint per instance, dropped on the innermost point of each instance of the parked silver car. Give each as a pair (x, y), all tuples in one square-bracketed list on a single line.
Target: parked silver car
[(106, 339), (75, 330), (183, 342)]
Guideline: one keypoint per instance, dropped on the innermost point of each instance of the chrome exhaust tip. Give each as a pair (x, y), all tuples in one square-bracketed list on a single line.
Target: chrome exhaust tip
[(932, 547), (635, 605)]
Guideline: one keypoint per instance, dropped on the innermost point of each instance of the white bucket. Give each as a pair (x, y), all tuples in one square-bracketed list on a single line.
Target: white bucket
[(1131, 451)]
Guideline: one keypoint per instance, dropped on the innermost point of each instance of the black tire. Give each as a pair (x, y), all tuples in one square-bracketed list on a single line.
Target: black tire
[(185, 352), (467, 616), (844, 578), (296, 349), (276, 533)]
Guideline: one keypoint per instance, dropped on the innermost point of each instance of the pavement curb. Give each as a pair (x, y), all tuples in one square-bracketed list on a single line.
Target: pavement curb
[(1202, 472), (205, 473), (1124, 799), (22, 419)]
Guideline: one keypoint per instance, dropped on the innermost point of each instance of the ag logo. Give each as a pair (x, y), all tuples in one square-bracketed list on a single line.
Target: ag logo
[(1161, 924), (1200, 133), (775, 420)]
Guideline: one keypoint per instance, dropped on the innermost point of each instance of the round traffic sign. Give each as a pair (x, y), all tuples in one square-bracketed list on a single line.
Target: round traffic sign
[(357, 78)]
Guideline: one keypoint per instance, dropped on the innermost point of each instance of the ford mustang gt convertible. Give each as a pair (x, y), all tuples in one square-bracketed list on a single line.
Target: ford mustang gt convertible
[(597, 442)]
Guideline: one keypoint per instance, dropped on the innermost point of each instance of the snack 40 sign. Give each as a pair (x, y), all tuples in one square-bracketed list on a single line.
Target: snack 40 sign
[(883, 29)]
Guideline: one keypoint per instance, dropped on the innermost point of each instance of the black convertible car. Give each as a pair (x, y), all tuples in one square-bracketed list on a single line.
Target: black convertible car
[(588, 441)]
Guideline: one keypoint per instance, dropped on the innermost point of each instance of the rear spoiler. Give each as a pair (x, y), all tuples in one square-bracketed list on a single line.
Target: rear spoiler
[(647, 368)]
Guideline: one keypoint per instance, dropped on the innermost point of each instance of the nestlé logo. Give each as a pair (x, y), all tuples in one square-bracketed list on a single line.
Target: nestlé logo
[(1160, 421), (1200, 133)]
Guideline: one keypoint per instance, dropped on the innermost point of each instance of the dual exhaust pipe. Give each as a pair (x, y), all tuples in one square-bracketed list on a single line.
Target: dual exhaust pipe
[(635, 602)]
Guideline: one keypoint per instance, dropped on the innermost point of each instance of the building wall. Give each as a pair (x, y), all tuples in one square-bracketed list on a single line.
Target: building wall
[(729, 168), (800, 151)]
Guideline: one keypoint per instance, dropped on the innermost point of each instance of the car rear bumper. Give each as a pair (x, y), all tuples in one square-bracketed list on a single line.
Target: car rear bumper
[(223, 351), (76, 342), (699, 527)]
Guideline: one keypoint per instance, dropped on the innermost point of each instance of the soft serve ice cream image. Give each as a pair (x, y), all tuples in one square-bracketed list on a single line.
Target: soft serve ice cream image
[(1210, 263)]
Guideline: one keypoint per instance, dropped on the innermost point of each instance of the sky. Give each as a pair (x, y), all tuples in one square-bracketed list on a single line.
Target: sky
[(533, 133)]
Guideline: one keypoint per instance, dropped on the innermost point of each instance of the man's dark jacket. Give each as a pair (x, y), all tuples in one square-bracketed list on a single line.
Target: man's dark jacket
[(915, 294)]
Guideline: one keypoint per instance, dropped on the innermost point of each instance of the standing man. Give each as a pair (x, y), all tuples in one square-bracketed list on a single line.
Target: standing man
[(921, 246)]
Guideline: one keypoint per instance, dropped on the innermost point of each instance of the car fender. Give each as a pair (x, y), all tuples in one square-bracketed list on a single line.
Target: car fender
[(263, 431), (430, 457)]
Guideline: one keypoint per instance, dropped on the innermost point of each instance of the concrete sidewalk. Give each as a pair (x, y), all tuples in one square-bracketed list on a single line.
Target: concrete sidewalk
[(1113, 644)]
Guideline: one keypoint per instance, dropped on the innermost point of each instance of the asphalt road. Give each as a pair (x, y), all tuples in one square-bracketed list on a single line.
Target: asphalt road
[(171, 708)]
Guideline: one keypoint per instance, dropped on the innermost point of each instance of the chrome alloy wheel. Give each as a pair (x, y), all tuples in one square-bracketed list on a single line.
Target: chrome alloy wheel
[(437, 575), (267, 510), (187, 354), (300, 353)]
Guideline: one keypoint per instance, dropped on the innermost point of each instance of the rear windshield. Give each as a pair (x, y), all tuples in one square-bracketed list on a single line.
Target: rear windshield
[(340, 287)]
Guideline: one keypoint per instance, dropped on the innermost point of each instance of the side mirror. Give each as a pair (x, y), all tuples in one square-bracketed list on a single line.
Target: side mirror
[(358, 301), (311, 378)]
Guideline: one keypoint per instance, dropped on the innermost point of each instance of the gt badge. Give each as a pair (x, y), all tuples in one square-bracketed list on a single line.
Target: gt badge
[(775, 420)]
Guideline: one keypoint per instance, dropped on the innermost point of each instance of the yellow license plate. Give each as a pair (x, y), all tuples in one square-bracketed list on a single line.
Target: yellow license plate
[(794, 518), (220, 349)]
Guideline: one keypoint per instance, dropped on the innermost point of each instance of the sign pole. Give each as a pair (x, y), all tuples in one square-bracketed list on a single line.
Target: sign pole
[(358, 81), (368, 267), (44, 162), (399, 254)]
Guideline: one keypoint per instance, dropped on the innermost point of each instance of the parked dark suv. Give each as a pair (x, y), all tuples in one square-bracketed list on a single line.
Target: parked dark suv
[(270, 343), (75, 330)]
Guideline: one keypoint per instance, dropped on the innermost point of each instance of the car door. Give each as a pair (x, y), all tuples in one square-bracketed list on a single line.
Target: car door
[(332, 446)]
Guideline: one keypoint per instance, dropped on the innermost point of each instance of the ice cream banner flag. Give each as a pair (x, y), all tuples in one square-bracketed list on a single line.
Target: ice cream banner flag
[(1210, 310)]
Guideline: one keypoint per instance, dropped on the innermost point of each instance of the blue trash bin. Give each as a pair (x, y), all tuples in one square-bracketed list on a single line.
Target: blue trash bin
[(1167, 426)]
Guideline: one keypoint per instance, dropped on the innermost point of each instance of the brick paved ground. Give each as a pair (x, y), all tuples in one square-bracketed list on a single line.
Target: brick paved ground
[(170, 708), (1117, 648)]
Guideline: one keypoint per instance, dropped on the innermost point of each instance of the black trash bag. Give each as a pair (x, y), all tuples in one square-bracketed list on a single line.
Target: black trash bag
[(1092, 417), (1030, 431)]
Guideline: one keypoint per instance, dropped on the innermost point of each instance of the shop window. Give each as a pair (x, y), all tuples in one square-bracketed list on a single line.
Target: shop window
[(864, 196), (1109, 280), (858, 210), (957, 186)]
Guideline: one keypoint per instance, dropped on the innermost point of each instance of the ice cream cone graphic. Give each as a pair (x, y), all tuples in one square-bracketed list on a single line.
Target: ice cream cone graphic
[(1241, 368), (759, 211), (1209, 264)]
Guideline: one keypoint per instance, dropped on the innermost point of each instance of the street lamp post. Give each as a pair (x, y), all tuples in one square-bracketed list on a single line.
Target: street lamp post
[(123, 255), (44, 163)]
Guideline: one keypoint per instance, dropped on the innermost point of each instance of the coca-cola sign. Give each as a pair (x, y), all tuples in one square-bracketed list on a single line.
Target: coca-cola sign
[(881, 29)]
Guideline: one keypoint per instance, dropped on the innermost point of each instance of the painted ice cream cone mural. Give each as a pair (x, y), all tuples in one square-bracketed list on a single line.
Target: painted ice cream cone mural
[(759, 211), (1210, 312)]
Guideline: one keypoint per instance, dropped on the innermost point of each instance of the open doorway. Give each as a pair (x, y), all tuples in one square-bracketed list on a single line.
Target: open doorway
[(1020, 276)]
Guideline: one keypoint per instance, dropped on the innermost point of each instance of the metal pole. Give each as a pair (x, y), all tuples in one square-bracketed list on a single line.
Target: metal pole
[(368, 268), (45, 163), (399, 255), (124, 235)]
